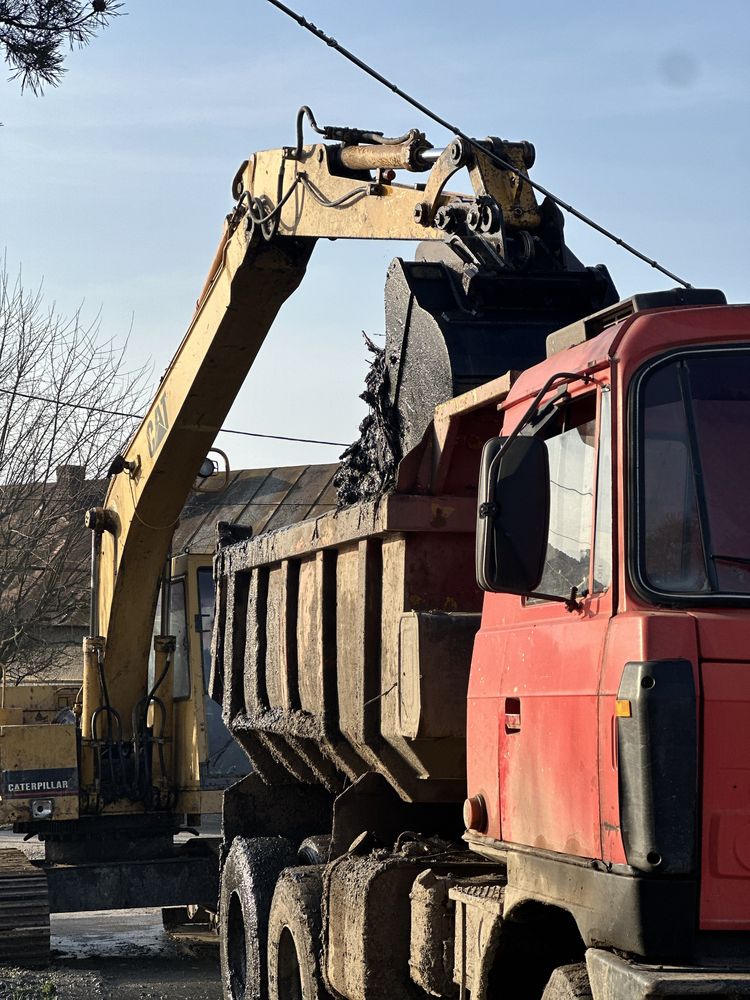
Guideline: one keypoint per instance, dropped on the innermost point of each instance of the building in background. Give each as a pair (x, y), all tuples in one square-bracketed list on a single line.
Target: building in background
[(45, 553)]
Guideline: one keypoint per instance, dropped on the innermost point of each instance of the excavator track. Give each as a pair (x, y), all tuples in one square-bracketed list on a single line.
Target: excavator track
[(24, 911)]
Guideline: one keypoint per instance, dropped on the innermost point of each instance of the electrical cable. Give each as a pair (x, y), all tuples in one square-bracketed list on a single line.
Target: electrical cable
[(139, 416), (332, 43)]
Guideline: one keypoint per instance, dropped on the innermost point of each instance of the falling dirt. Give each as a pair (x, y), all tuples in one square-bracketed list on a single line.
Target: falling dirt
[(368, 466)]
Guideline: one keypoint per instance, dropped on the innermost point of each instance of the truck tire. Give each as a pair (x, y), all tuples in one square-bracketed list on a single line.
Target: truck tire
[(568, 982), (294, 937), (315, 850), (248, 880)]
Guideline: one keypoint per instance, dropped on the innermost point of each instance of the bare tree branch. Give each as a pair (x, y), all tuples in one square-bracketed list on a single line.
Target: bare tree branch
[(53, 462)]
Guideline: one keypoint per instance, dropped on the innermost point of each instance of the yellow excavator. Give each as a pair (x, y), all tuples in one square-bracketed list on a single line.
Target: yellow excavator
[(109, 794)]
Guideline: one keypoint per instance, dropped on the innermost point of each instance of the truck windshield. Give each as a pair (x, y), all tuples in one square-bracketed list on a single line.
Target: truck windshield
[(693, 476)]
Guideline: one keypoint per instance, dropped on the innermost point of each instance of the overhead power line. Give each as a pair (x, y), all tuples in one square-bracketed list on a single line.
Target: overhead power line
[(139, 416), (332, 43)]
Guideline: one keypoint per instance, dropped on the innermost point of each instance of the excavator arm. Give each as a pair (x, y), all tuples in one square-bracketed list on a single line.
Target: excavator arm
[(285, 200)]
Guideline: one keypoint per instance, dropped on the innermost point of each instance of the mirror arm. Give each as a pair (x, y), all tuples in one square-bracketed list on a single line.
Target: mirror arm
[(565, 379), (549, 411)]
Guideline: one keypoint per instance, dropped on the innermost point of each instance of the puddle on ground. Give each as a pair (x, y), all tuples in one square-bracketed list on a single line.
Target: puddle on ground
[(111, 934)]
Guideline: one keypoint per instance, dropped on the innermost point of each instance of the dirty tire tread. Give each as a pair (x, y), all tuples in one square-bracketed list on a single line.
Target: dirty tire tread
[(248, 879), (297, 907), (568, 982)]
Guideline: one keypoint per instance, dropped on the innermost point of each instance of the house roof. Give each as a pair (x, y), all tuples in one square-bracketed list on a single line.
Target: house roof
[(258, 498), (263, 499)]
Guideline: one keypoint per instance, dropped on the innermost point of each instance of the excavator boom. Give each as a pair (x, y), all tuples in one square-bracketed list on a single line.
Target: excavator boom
[(285, 200)]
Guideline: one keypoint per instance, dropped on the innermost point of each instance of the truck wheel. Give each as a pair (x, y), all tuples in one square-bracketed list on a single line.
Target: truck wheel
[(294, 937), (568, 982), (247, 884), (315, 850)]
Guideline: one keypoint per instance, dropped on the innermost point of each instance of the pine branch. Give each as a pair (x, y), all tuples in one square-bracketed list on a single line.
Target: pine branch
[(35, 34)]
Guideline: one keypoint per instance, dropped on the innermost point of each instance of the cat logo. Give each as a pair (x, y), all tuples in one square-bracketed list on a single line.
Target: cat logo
[(157, 426), (47, 782)]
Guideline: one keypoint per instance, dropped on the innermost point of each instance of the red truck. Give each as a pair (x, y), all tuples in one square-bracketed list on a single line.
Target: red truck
[(595, 694), (605, 738), (540, 610)]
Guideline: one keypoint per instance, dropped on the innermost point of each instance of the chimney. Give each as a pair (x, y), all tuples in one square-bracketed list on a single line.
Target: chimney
[(71, 478)]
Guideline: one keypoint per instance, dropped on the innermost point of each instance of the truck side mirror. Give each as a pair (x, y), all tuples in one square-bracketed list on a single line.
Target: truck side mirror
[(513, 515)]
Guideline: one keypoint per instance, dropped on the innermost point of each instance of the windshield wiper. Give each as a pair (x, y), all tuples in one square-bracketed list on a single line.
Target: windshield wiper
[(704, 528)]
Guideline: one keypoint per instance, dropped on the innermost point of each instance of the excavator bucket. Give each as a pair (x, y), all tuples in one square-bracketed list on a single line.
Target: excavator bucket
[(451, 326)]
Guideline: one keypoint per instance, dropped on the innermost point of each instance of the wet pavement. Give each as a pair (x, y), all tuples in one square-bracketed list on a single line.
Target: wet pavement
[(123, 954)]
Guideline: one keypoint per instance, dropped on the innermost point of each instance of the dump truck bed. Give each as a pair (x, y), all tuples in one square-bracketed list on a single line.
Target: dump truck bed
[(343, 643)]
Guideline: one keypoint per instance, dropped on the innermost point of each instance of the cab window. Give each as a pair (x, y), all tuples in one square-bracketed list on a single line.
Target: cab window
[(575, 482), (205, 620)]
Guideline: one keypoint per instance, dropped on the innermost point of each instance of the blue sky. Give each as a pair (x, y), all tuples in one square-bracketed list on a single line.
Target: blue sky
[(114, 186)]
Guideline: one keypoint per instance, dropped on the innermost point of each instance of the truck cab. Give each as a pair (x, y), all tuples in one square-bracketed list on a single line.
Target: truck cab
[(610, 675)]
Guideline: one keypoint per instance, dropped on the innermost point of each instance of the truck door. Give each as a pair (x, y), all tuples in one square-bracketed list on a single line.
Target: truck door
[(549, 673)]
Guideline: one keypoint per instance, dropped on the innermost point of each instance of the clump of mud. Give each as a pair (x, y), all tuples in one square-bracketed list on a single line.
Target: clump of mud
[(368, 467)]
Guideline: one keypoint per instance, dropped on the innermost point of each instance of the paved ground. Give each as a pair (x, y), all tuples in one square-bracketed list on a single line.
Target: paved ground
[(122, 954)]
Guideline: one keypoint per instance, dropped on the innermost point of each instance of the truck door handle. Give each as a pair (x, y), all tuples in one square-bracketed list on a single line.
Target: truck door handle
[(512, 715)]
